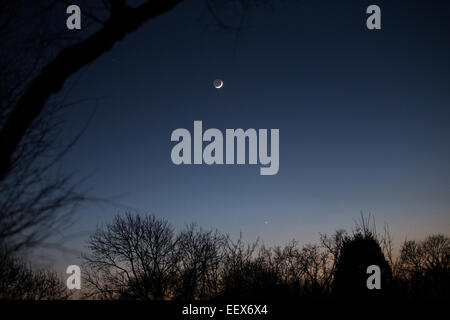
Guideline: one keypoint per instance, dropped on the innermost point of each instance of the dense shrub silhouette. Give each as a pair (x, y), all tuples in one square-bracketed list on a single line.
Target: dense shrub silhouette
[(357, 253)]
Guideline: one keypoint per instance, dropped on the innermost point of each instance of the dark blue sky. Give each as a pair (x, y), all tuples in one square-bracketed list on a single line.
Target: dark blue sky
[(363, 118)]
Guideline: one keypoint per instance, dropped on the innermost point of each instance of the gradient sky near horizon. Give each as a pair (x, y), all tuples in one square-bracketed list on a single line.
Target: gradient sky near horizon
[(363, 117)]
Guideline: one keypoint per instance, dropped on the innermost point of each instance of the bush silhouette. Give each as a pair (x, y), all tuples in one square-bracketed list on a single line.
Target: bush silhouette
[(357, 253)]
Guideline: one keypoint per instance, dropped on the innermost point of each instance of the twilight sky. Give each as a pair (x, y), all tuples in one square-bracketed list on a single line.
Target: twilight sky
[(363, 118)]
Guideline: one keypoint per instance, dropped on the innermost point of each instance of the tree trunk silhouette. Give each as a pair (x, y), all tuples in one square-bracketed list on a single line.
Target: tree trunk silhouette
[(122, 21)]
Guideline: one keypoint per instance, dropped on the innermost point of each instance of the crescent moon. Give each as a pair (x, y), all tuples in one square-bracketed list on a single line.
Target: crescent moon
[(218, 83)]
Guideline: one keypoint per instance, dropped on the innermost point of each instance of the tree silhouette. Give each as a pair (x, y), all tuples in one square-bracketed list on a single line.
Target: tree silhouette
[(35, 201), (201, 257), (20, 282), (133, 258), (424, 267), (245, 274), (123, 20)]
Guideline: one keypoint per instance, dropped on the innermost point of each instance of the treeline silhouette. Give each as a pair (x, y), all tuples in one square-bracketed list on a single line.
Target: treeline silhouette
[(142, 257), (19, 281)]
